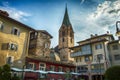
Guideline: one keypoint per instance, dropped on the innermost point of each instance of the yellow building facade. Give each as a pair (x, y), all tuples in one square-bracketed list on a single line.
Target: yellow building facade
[(14, 41)]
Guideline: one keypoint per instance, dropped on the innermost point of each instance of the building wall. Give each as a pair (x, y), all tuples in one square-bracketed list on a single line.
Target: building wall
[(21, 41), (65, 68), (99, 47), (114, 52), (41, 45), (66, 40)]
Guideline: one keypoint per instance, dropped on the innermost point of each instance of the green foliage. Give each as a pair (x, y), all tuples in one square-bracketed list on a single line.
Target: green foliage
[(113, 73), (15, 78), (6, 68), (5, 73), (68, 75)]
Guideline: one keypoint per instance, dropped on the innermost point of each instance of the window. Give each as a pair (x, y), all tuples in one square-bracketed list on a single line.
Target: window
[(60, 69), (98, 46), (1, 26), (82, 69), (52, 68), (47, 45), (42, 66), (10, 46), (33, 35), (86, 49), (30, 66), (13, 47), (15, 31), (99, 57), (63, 40), (115, 47), (117, 57), (87, 58), (9, 60)]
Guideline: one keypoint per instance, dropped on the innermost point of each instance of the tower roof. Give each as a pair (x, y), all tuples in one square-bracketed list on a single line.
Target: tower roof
[(66, 20)]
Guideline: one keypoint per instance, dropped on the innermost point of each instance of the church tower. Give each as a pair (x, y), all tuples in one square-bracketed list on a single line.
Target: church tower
[(66, 38)]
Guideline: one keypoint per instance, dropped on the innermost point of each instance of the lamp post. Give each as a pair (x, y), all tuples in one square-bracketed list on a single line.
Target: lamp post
[(23, 72)]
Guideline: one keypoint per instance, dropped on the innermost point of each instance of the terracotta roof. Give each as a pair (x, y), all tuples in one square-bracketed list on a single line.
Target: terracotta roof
[(49, 61), (115, 41), (13, 20), (45, 32), (96, 37)]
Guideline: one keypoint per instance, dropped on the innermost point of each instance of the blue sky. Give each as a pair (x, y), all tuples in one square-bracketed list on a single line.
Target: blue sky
[(86, 16)]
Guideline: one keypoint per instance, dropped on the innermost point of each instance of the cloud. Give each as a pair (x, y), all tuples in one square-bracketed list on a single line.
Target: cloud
[(106, 14), (100, 21), (14, 13)]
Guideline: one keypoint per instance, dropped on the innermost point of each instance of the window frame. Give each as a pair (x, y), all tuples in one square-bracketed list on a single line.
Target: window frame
[(115, 47), (29, 67), (52, 68), (118, 57), (15, 33), (98, 46), (60, 69), (42, 68)]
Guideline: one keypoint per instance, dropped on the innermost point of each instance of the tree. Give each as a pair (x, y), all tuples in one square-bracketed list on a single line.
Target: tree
[(5, 72), (113, 73)]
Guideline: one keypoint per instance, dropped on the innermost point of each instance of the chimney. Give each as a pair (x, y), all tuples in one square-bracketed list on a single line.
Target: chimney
[(108, 32), (92, 35), (5, 13), (95, 34)]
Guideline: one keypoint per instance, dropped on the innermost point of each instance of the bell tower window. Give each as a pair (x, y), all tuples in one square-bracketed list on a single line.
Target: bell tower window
[(63, 40)]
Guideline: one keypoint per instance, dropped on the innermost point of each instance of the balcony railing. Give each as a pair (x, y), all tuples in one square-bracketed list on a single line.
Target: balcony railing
[(80, 53), (98, 71)]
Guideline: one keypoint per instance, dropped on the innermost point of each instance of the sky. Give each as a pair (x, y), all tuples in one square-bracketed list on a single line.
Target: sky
[(86, 16)]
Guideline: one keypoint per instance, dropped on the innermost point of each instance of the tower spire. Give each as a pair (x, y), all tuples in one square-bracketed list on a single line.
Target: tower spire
[(66, 20)]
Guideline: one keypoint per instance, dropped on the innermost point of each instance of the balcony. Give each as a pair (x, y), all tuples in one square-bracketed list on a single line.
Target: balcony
[(81, 53), (98, 70)]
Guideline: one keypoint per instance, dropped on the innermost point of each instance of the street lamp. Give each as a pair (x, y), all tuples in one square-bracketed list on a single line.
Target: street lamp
[(23, 72), (117, 30), (22, 76)]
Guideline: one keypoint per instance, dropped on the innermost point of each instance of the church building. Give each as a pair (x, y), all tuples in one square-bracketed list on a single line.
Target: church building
[(66, 38)]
